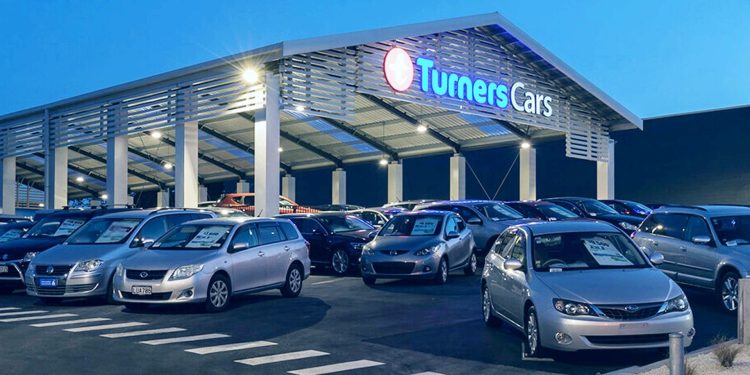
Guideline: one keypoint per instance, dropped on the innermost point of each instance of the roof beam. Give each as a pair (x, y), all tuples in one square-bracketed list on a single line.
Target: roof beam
[(102, 160), (33, 170), (80, 170), (408, 118), (364, 137), (513, 128)]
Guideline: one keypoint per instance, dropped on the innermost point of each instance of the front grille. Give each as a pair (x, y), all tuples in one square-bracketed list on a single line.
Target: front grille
[(80, 288), (620, 312), (12, 272), (56, 270), (394, 252), (52, 291), (151, 297), (62, 289), (629, 339), (400, 268), (150, 275)]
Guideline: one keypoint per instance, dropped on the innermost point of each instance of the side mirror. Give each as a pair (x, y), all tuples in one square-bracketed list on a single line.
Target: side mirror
[(452, 234), (512, 264), (140, 242), (656, 258), (239, 246), (702, 240), (147, 243), (474, 221)]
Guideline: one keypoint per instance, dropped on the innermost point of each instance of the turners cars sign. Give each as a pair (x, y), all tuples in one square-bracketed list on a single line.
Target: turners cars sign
[(398, 69)]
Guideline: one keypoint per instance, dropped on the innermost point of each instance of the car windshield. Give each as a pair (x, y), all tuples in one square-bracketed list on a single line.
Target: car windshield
[(7, 234), (193, 237), (55, 226), (413, 225), (594, 208), (585, 251), (497, 212), (104, 231), (556, 212), (732, 230), (339, 224)]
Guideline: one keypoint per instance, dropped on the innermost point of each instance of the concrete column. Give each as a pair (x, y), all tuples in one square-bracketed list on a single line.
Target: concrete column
[(527, 171), (186, 165), (117, 170), (338, 186), (243, 186), (395, 182), (605, 174), (202, 193), (289, 187), (56, 178), (162, 198), (9, 185), (458, 177), (267, 158)]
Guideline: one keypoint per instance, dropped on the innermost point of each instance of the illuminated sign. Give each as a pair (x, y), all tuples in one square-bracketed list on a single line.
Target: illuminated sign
[(398, 69)]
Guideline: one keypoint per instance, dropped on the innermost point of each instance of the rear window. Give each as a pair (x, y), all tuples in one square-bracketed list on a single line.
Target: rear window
[(289, 231)]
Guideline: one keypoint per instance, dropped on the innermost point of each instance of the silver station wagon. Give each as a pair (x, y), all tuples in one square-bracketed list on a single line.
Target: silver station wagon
[(575, 285), (209, 261)]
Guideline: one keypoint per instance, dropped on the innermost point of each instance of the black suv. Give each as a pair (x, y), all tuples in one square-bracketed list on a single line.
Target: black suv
[(336, 239), (593, 209), (51, 230), (542, 210)]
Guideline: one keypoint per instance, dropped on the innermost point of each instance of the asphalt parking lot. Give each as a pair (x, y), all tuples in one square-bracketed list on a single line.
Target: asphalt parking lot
[(394, 327)]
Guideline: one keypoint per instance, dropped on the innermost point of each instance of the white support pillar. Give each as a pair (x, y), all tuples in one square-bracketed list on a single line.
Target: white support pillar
[(527, 174), (458, 177), (395, 182), (267, 158), (162, 198), (117, 170), (202, 193), (338, 186), (186, 165), (289, 187), (605, 174), (243, 186), (9, 186), (56, 178)]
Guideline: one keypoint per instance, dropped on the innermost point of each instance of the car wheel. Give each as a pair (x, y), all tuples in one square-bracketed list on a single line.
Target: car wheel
[(531, 329), (108, 297), (50, 301), (293, 285), (368, 280), (729, 291), (471, 268), (340, 262), (489, 319), (218, 294), (136, 306), (441, 276)]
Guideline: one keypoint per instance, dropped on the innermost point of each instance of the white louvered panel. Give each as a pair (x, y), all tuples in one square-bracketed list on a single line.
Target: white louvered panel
[(589, 145), (22, 137)]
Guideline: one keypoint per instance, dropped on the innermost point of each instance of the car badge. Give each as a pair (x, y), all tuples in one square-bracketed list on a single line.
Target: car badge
[(143, 275), (393, 252), (5, 256), (632, 308), (50, 269)]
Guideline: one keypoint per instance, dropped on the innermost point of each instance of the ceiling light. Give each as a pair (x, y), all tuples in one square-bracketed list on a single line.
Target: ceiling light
[(168, 165), (104, 196), (299, 108), (250, 76), (421, 128), (281, 149), (525, 145), (40, 205), (156, 134), (383, 161), (79, 179)]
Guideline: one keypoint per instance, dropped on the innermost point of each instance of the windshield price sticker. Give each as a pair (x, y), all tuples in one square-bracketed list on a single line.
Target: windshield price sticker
[(207, 237), (116, 231), (68, 226), (424, 226), (11, 235), (605, 253)]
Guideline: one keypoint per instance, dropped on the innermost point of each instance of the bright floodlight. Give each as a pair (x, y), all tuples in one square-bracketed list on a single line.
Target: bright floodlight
[(41, 205), (250, 75), (421, 128), (156, 134), (104, 196), (168, 165), (299, 108), (281, 149), (525, 144), (79, 179), (383, 161)]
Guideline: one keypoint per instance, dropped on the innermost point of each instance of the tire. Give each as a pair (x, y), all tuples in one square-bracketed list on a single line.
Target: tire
[(531, 334), (728, 292), (50, 301), (136, 306), (471, 268), (441, 274), (293, 284), (489, 319), (340, 262), (218, 294), (368, 280), (108, 297)]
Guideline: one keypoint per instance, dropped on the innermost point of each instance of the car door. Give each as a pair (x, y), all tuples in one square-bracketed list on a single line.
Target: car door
[(700, 259), (248, 264), (277, 255), (515, 280), (455, 257), (496, 278), (315, 234), (663, 232)]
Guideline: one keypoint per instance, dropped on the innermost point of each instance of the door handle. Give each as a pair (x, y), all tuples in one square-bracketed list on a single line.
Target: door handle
[(286, 248), (260, 253), (683, 248), (656, 243)]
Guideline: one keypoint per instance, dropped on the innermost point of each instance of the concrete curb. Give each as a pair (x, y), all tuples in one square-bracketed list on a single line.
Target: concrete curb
[(665, 362)]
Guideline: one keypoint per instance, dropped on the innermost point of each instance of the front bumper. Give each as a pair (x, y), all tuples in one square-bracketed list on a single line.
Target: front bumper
[(14, 276), (405, 266), (163, 291), (70, 285)]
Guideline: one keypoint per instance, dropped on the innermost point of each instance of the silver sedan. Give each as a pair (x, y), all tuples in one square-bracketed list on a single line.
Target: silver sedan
[(578, 285)]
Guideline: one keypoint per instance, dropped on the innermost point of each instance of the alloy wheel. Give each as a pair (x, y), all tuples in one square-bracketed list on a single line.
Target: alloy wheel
[(532, 333), (295, 280), (443, 271), (729, 293), (473, 263), (340, 262), (218, 293), (486, 309)]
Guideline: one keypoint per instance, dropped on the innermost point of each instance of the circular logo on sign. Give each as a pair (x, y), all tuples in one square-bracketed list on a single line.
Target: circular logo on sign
[(398, 69)]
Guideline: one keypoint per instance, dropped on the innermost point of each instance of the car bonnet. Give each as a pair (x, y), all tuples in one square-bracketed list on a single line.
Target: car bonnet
[(167, 259)]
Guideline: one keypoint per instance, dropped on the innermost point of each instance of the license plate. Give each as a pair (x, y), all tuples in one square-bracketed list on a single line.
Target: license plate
[(141, 290), (48, 283), (3, 269), (633, 325)]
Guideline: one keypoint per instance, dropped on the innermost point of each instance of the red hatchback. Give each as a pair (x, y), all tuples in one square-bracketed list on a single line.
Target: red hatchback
[(246, 202)]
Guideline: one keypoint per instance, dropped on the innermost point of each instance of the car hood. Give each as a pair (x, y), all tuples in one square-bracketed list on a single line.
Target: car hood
[(403, 242), (16, 249), (508, 223), (611, 286), (70, 254), (167, 259), (617, 218), (358, 235)]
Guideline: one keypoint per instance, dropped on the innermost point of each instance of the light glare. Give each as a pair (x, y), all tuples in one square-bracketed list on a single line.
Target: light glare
[(525, 145), (79, 179), (421, 128), (383, 162), (168, 165), (250, 75), (156, 134)]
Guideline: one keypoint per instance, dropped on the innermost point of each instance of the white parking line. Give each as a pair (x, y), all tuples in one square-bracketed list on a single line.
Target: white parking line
[(37, 317), (105, 326), (185, 339), (67, 322), (23, 313), (328, 281), (142, 333), (230, 347), (338, 367), (281, 357), (9, 308), (429, 373)]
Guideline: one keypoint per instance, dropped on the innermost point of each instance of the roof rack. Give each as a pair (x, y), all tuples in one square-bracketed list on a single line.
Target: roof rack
[(683, 206)]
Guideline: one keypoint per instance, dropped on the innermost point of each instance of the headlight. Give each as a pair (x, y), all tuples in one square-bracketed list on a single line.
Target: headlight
[(120, 270), (367, 250), (357, 245), (676, 304), (427, 250), (573, 308), (89, 265), (29, 256), (627, 226), (186, 271)]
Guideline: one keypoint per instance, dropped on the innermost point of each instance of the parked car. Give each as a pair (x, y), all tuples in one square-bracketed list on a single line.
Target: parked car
[(337, 207), (486, 219), (593, 209), (375, 218), (84, 265), (225, 212), (703, 246), (626, 207), (6, 219), (575, 285), (14, 231), (246, 202), (542, 210), (209, 261), (421, 244), (51, 230), (389, 212), (408, 205), (207, 204), (336, 239)]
